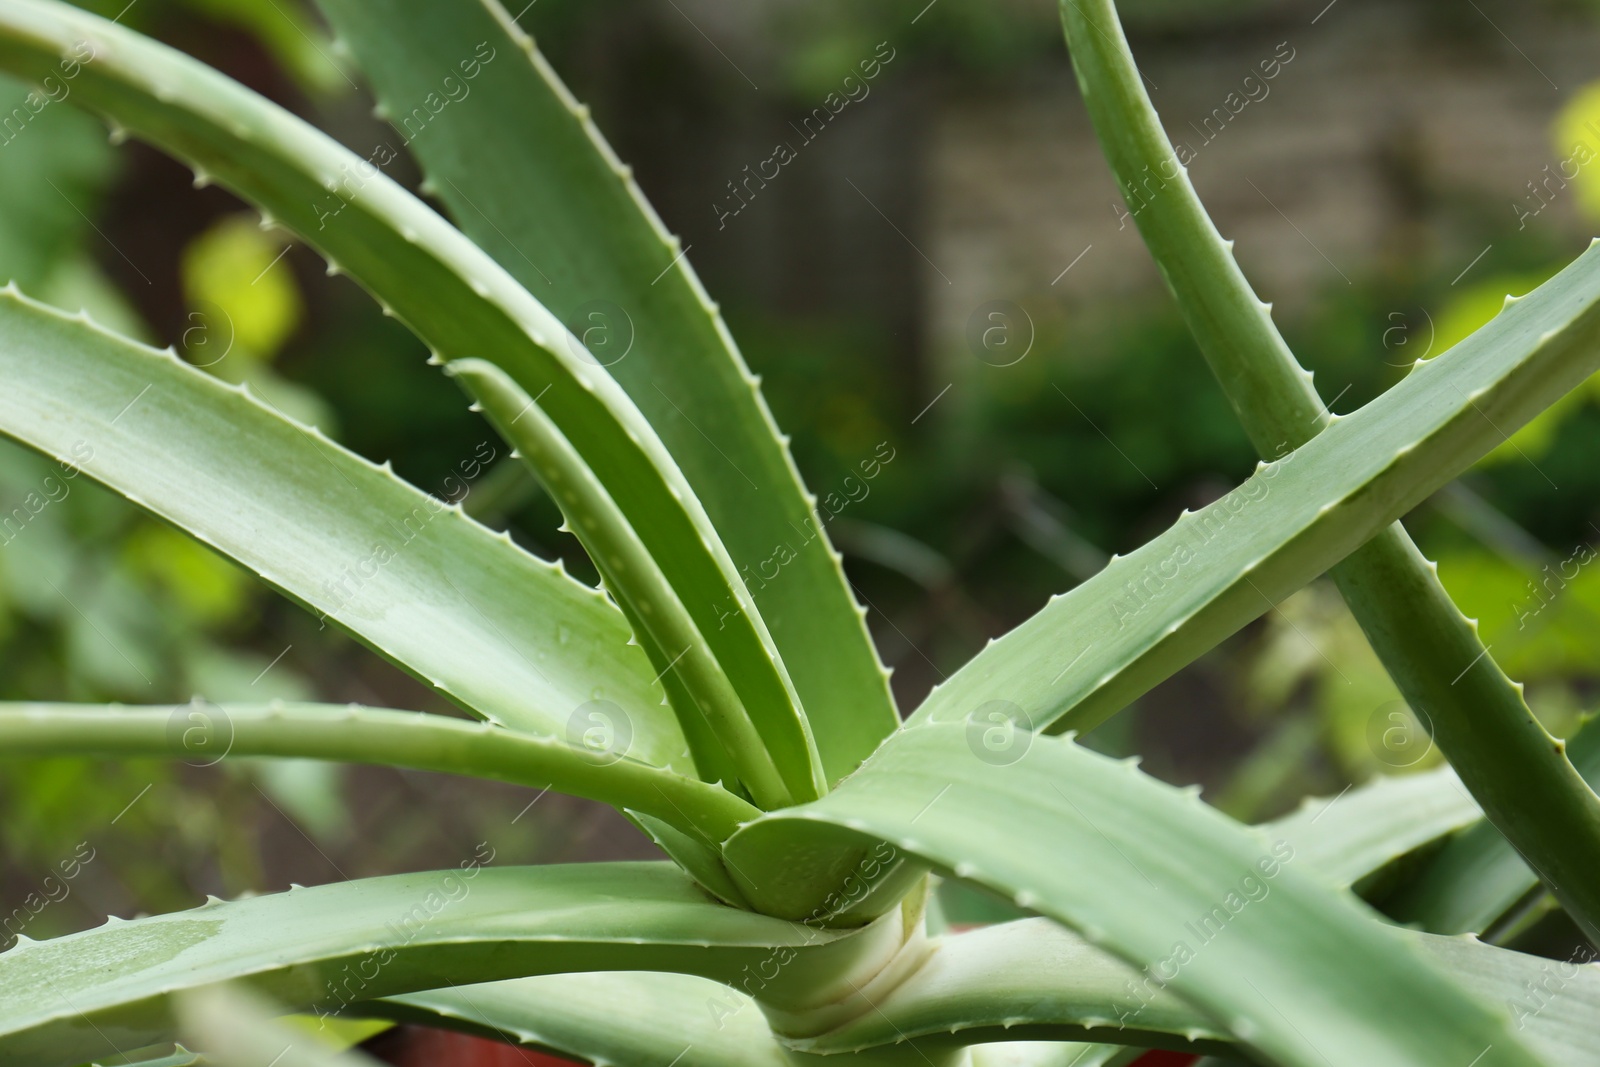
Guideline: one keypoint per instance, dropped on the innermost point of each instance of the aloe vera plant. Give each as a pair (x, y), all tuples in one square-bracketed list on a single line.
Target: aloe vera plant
[(743, 720)]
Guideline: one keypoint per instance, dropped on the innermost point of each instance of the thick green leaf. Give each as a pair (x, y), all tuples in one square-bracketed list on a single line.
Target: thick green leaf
[(1090, 651), (1508, 761), (501, 632), (447, 290), (1035, 979), (1554, 1004), (206, 733), (325, 948), (564, 217), (1349, 836), (1297, 971), (719, 728)]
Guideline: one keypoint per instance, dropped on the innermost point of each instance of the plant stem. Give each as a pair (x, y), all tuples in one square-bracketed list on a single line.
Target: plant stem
[(205, 733), (1514, 768)]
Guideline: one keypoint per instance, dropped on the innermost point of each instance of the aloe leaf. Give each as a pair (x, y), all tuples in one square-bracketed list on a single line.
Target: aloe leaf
[(717, 725), (1477, 877), (1297, 971), (1553, 1003), (575, 1015), (1351, 835), (234, 1028), (565, 217), (668, 1016), (323, 949), (1510, 763), (1093, 649), (504, 634), (1034, 980), (1356, 833), (205, 733), (446, 289)]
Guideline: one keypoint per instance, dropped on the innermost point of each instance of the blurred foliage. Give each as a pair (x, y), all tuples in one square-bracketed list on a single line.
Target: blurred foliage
[(230, 266), (54, 164)]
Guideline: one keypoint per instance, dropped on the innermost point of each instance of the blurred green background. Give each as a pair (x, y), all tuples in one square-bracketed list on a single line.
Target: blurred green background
[(944, 269)]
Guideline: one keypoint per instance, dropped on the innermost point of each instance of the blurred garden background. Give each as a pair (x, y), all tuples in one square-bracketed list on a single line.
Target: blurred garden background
[(941, 277)]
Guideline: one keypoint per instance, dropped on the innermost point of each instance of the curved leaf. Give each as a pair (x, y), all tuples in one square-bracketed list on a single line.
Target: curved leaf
[(499, 631), (565, 218), (447, 290), (1349, 836), (1295, 970), (84, 995), (206, 733)]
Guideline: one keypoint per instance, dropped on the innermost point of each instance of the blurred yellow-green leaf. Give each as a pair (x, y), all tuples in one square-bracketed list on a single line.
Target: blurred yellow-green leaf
[(245, 301), (1576, 133), (1544, 622)]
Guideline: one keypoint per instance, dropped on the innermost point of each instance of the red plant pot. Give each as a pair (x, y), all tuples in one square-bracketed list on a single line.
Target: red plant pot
[(423, 1046), (1161, 1058)]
